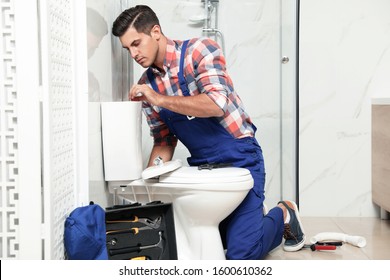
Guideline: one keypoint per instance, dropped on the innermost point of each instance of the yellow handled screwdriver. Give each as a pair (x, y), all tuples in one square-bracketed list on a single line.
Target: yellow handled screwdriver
[(134, 230)]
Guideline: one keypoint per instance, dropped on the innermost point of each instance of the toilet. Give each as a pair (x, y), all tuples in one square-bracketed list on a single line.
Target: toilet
[(201, 198)]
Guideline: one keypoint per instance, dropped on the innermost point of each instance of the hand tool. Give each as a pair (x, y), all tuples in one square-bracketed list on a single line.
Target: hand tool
[(315, 247), (126, 250), (140, 258), (155, 224), (338, 243), (134, 230)]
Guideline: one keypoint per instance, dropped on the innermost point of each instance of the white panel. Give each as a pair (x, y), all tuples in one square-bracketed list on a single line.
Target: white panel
[(9, 203), (29, 140), (58, 121)]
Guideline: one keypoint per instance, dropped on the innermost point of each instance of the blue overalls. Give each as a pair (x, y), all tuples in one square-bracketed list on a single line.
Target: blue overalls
[(245, 232)]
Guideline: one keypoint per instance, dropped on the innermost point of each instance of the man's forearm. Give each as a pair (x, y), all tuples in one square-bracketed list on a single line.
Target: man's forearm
[(165, 152), (197, 106)]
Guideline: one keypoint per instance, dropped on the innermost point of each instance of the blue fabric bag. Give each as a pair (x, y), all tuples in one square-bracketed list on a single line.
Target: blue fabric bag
[(85, 233)]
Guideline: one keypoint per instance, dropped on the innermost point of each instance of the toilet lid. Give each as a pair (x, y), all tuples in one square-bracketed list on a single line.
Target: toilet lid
[(192, 175), (157, 170)]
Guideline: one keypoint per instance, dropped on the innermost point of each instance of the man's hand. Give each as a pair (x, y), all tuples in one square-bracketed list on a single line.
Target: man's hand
[(143, 93)]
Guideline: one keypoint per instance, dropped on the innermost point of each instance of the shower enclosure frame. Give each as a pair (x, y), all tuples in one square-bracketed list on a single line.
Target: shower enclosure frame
[(289, 104)]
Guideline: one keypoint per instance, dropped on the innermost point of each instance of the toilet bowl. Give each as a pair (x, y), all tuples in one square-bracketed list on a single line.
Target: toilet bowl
[(201, 199)]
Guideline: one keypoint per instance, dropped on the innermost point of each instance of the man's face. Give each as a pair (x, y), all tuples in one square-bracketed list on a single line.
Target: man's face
[(143, 48)]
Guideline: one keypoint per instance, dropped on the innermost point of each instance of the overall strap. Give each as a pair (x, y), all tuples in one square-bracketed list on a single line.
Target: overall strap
[(150, 75), (182, 80)]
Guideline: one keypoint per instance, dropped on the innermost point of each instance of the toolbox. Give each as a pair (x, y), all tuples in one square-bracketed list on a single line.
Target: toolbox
[(141, 231)]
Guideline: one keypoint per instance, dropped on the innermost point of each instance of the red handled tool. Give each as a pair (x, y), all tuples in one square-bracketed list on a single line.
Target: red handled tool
[(315, 247)]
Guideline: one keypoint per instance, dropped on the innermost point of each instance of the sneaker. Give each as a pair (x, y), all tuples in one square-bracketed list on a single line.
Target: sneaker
[(293, 231)]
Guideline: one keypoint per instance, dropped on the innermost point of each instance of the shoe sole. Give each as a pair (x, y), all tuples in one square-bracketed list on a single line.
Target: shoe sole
[(300, 245)]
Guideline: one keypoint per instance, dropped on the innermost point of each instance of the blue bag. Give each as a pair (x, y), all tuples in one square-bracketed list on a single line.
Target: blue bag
[(85, 233)]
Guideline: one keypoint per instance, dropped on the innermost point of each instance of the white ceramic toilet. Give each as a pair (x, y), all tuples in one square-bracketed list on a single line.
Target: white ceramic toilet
[(201, 199)]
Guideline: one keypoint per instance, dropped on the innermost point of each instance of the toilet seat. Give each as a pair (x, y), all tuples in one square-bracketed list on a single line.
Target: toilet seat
[(173, 172), (192, 175), (221, 179)]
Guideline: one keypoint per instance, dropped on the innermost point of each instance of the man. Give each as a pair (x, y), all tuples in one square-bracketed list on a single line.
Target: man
[(188, 95)]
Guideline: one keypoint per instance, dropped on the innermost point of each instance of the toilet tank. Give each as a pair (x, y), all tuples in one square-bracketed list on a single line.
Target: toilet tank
[(122, 140)]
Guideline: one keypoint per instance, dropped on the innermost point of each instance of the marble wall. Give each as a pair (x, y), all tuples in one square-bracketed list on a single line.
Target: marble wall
[(344, 62)]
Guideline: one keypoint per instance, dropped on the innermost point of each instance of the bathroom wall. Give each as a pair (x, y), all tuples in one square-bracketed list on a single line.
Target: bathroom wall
[(344, 62)]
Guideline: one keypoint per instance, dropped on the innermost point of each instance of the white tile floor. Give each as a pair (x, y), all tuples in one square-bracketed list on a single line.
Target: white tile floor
[(375, 230)]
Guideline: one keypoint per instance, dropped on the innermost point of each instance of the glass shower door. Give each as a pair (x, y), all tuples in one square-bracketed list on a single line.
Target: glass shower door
[(289, 92)]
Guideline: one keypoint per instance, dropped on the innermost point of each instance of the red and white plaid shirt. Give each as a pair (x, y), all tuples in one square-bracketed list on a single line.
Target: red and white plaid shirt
[(205, 72)]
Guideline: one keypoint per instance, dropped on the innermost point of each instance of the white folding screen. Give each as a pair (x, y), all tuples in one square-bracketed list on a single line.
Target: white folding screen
[(8, 135), (63, 65), (43, 109), (58, 105)]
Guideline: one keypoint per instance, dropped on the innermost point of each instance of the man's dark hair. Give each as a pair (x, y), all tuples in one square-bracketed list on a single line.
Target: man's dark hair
[(141, 17)]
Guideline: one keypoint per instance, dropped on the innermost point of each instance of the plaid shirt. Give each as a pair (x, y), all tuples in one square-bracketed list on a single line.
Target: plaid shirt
[(205, 72)]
